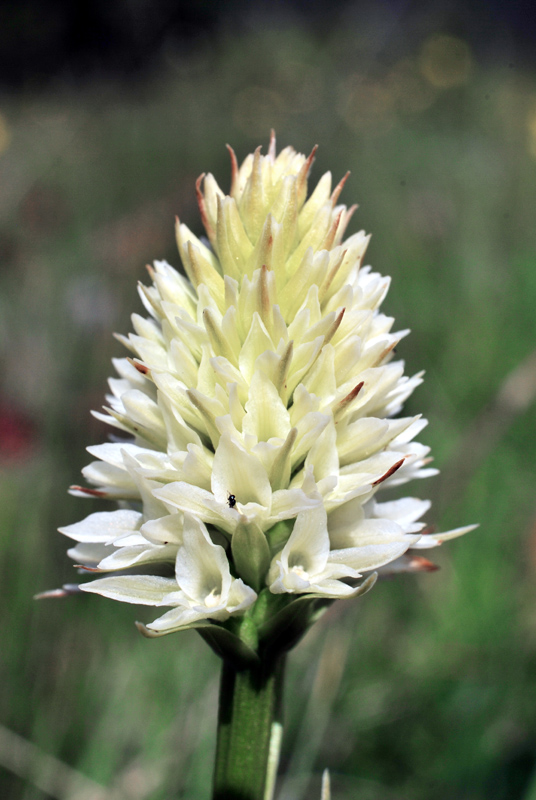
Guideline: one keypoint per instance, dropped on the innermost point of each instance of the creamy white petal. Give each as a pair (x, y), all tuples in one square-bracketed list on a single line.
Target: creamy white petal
[(266, 415), (308, 545), (240, 596), (288, 503), (202, 569), (332, 588), (104, 526), (89, 555), (199, 503), (176, 619), (366, 532), (114, 481), (145, 590), (436, 539), (372, 556), (404, 511), (165, 530), (112, 452), (235, 471), (126, 557)]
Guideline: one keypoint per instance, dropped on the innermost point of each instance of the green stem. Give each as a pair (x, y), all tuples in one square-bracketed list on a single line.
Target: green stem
[(249, 731)]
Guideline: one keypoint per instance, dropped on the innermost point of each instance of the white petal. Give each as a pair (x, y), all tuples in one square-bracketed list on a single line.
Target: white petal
[(145, 590), (103, 526), (344, 518), (115, 481), (152, 508), (372, 556), (281, 581), (288, 503), (140, 554), (112, 452), (199, 503), (130, 540), (176, 618), (332, 588), (308, 544), (238, 472), (89, 554), (145, 412), (361, 438), (323, 455), (241, 596), (436, 539), (165, 530), (367, 532), (256, 343), (403, 511), (201, 567), (266, 415)]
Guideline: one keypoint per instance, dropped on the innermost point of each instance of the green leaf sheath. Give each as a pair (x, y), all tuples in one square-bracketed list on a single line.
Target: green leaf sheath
[(249, 713)]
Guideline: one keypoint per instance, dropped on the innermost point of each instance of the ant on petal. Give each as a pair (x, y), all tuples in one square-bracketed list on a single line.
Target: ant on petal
[(231, 500)]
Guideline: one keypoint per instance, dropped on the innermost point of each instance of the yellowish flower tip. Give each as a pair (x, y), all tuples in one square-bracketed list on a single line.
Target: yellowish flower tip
[(257, 415)]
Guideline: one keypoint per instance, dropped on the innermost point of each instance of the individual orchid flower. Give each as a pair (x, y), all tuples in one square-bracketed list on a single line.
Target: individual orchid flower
[(306, 564), (203, 587)]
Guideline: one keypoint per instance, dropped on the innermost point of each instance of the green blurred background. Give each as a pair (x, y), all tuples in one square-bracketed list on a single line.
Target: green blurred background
[(425, 689)]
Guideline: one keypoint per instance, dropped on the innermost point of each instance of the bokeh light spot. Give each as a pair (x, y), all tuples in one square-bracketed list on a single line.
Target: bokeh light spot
[(445, 61)]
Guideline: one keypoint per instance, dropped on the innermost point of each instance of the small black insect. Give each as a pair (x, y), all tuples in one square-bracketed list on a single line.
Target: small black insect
[(231, 500)]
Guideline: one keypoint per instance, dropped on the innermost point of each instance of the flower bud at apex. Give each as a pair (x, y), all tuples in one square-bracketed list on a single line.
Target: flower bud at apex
[(266, 376)]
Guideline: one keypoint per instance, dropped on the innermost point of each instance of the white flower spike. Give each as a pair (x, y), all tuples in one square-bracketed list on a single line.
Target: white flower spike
[(257, 416)]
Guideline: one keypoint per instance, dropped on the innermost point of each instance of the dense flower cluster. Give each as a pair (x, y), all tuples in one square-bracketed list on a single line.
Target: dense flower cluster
[(257, 415)]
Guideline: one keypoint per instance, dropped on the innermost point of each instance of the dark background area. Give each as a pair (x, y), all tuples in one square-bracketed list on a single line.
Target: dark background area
[(50, 40)]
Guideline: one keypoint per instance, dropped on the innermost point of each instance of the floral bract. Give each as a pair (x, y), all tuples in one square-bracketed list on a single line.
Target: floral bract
[(257, 415)]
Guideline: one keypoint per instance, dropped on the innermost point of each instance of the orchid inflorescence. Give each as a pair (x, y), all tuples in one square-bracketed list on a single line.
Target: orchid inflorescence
[(257, 418)]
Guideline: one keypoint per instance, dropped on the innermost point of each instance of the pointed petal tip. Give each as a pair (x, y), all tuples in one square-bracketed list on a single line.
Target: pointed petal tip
[(80, 491), (142, 368), (338, 189), (144, 630), (306, 168), (234, 170), (420, 564), (202, 206), (364, 587), (455, 532), (272, 145), (66, 591), (389, 472), (343, 404), (88, 569)]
